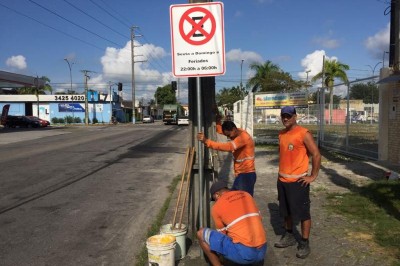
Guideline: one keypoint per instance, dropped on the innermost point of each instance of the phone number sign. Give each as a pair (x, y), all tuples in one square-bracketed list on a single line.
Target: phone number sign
[(197, 39)]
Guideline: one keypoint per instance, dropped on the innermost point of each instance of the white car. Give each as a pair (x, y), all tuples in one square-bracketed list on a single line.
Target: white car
[(269, 119), (183, 121), (308, 119), (148, 119)]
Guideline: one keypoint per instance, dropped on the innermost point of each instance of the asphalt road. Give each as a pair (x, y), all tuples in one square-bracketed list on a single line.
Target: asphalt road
[(84, 196)]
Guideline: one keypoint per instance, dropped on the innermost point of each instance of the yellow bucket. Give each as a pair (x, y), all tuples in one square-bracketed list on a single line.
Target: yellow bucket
[(161, 250)]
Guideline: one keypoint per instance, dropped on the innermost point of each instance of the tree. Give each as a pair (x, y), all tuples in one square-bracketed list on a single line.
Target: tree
[(165, 95), (368, 92), (37, 90), (270, 77), (228, 96), (332, 69), (336, 98)]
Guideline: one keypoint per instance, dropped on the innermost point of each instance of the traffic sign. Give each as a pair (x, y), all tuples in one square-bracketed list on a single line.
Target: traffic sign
[(197, 39)]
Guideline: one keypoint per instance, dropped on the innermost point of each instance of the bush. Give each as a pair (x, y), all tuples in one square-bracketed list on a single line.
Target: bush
[(69, 119), (95, 121), (61, 120), (54, 120), (77, 120)]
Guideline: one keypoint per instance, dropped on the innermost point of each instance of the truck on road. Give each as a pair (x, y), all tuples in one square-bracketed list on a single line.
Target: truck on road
[(171, 112)]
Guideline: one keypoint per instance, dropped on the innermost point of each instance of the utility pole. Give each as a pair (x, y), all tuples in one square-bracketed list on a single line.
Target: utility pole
[(133, 70), (37, 93), (86, 78), (110, 100)]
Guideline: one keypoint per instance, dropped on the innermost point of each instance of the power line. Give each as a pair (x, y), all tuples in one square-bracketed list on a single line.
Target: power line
[(105, 10), (109, 7), (67, 34), (162, 67), (82, 11), (79, 26)]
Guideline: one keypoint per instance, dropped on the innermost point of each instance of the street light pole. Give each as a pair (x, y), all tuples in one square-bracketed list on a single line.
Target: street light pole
[(70, 91), (242, 94), (70, 73), (241, 71), (308, 109)]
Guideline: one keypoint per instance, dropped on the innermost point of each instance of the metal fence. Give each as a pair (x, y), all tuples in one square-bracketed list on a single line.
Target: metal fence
[(350, 127)]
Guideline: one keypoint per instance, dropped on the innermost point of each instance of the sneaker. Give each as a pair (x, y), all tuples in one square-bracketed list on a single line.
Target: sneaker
[(286, 240), (303, 249)]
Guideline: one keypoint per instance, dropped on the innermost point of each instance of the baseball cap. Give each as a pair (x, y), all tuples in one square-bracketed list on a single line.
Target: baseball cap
[(290, 110), (217, 186)]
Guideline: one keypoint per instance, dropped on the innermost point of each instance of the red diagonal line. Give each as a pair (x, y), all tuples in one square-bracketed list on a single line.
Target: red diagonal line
[(197, 26)]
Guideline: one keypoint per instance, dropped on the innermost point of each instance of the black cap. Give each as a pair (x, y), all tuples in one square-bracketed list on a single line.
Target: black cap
[(217, 186)]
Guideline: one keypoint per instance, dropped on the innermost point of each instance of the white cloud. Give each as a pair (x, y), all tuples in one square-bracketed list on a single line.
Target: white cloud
[(313, 62), (237, 55), (379, 43), (117, 66), (326, 42), (17, 61)]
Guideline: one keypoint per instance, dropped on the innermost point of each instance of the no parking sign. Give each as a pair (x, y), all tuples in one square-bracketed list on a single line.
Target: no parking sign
[(197, 39)]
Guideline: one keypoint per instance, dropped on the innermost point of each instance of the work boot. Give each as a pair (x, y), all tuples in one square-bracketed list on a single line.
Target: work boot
[(303, 249), (286, 240)]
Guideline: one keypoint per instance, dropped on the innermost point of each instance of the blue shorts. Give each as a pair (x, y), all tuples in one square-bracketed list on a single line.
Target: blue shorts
[(245, 182), (236, 252)]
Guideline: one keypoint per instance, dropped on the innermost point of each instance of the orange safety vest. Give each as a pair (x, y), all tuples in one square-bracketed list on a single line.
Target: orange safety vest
[(236, 214), (242, 148), (293, 156)]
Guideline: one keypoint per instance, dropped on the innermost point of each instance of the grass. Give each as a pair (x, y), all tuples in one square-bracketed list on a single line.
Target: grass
[(374, 212), (141, 258)]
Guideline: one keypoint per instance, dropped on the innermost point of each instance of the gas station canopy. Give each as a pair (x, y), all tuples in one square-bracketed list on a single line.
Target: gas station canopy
[(12, 80)]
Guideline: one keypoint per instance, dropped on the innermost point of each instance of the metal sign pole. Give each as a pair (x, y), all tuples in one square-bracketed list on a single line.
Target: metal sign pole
[(200, 150)]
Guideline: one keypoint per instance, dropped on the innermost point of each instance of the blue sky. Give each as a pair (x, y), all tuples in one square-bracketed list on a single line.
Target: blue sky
[(94, 35)]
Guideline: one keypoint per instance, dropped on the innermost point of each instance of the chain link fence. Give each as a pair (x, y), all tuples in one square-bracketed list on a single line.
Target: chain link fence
[(350, 126)]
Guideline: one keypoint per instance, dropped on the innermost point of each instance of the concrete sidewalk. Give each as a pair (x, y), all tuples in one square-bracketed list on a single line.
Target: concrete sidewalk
[(330, 241)]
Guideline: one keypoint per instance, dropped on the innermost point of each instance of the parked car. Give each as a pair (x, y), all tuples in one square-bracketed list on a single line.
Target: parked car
[(308, 119), (372, 118), (183, 121), (269, 119), (43, 123), (21, 121), (148, 119)]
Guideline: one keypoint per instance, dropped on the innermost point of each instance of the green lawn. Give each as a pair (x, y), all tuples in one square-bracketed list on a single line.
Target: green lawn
[(374, 212)]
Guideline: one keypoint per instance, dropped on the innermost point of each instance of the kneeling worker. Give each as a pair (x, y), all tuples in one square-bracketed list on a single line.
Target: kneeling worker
[(240, 236)]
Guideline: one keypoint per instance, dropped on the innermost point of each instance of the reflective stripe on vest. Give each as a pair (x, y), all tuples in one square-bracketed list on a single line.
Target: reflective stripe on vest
[(292, 176), (238, 220), (244, 159)]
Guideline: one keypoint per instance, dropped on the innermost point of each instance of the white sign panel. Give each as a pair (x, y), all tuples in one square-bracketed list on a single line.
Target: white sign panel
[(197, 39)]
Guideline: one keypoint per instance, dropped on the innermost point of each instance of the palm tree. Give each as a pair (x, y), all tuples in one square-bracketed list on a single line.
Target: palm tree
[(332, 69), (263, 73), (270, 77), (37, 90)]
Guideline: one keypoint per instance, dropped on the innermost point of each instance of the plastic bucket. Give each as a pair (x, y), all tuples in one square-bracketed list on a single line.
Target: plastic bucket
[(161, 250), (180, 234)]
